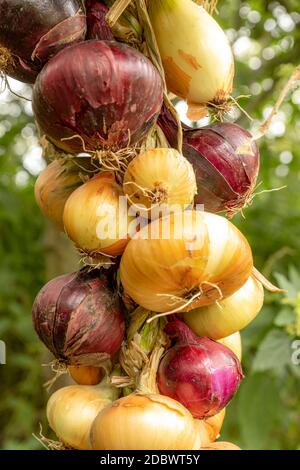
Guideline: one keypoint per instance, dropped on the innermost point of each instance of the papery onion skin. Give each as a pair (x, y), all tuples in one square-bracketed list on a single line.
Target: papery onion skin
[(200, 373), (144, 422), (234, 343), (90, 94), (160, 176), (97, 27), (71, 411), (230, 315), (56, 183), (197, 58), (204, 254), (86, 375), (221, 445), (32, 31), (78, 315), (95, 206), (210, 428), (225, 178)]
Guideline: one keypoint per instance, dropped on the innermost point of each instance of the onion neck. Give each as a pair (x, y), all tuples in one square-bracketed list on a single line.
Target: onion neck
[(6, 59)]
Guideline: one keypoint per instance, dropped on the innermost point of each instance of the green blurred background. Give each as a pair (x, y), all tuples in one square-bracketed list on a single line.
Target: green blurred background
[(265, 414)]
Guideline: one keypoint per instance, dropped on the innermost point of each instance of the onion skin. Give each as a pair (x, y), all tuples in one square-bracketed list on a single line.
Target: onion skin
[(79, 314), (234, 343), (144, 422), (225, 178), (56, 183), (197, 59), (201, 374), (92, 91), (97, 27), (82, 218), (204, 252), (86, 375), (230, 315), (210, 428), (72, 410), (32, 31), (221, 446)]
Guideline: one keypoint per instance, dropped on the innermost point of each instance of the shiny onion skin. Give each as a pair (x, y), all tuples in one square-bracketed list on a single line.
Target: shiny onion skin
[(230, 315), (32, 31), (205, 256), (86, 375), (97, 95), (200, 373), (79, 314), (234, 343), (145, 422), (91, 211), (225, 178), (56, 183), (210, 428), (220, 445), (97, 27)]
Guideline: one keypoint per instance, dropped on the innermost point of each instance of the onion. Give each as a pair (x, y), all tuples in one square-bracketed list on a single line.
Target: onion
[(79, 318), (88, 97), (185, 260), (144, 422), (56, 183), (97, 27), (221, 446), (200, 373), (31, 31), (195, 52), (160, 176), (234, 343), (95, 217), (225, 176), (72, 410), (86, 375), (210, 428), (230, 315)]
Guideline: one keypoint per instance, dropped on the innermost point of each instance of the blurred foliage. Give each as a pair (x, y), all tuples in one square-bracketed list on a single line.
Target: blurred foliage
[(265, 414)]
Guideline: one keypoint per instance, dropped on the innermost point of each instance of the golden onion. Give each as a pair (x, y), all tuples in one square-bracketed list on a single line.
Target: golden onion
[(234, 343), (184, 261), (195, 52), (71, 411), (210, 428), (160, 176), (221, 445), (86, 375), (229, 315), (96, 217), (145, 422), (55, 184)]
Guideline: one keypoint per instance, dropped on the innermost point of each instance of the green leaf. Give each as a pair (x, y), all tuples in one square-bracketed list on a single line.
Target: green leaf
[(285, 283), (274, 353), (285, 317)]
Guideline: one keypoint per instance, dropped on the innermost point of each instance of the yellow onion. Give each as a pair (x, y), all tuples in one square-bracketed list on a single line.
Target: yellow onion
[(71, 411), (160, 176), (86, 375), (56, 183), (184, 261), (145, 422), (221, 445), (229, 315), (210, 428), (233, 342), (195, 52), (95, 218)]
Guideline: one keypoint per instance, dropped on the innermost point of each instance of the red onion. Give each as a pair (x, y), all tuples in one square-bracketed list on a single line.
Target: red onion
[(78, 316), (97, 27), (200, 373), (31, 31), (100, 94), (225, 178)]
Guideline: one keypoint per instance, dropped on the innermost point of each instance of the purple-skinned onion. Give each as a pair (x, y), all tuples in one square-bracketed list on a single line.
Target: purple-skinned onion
[(198, 372), (97, 95), (79, 317), (32, 31), (225, 177), (97, 27)]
